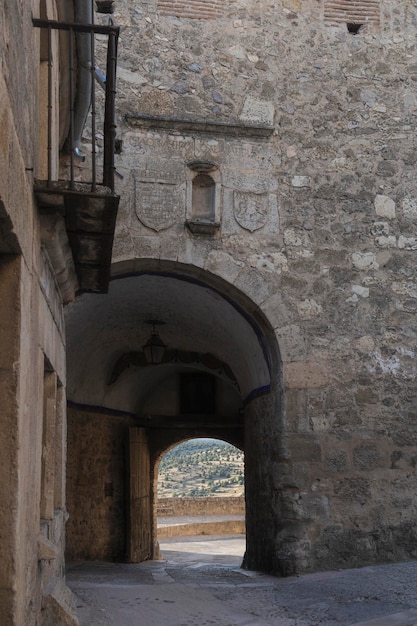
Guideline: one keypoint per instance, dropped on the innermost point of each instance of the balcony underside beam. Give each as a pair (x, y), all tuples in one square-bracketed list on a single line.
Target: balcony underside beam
[(90, 220)]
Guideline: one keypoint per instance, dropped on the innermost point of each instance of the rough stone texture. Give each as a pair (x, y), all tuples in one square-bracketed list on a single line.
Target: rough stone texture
[(189, 527), (200, 506), (58, 605), (32, 361), (317, 231), (206, 584)]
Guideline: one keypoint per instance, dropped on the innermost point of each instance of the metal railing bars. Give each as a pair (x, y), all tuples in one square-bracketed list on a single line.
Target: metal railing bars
[(109, 118), (49, 141), (96, 29), (109, 84)]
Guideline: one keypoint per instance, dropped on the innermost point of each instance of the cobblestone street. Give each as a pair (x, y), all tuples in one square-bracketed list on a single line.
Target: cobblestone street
[(200, 582)]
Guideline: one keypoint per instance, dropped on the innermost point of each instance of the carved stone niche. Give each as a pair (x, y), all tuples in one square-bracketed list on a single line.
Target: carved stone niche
[(203, 197)]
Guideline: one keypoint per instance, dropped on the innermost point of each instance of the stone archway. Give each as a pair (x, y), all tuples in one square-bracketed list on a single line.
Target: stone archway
[(122, 412), (199, 484)]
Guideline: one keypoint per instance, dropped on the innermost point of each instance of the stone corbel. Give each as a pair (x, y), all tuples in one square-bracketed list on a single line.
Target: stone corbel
[(200, 227), (47, 551), (55, 241)]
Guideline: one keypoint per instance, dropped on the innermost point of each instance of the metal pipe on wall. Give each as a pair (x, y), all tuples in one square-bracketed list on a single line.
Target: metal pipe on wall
[(83, 15)]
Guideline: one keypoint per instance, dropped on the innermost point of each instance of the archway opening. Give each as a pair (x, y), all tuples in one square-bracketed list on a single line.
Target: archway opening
[(201, 468), (201, 493), (219, 378)]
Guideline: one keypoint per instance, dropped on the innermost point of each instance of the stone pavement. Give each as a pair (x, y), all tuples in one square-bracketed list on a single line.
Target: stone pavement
[(200, 583)]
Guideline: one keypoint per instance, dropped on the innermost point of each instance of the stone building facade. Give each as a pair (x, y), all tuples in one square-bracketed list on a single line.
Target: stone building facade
[(268, 217), (43, 264)]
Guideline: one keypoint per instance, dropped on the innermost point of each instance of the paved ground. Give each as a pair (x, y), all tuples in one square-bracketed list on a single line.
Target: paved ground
[(200, 583)]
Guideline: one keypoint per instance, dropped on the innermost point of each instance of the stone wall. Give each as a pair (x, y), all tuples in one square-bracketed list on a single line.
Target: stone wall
[(205, 512), (308, 129), (200, 506), (32, 368), (205, 527)]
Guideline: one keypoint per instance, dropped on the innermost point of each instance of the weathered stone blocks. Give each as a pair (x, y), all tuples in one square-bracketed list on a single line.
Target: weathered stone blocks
[(305, 447), (305, 375), (317, 227), (353, 489), (367, 456), (336, 461)]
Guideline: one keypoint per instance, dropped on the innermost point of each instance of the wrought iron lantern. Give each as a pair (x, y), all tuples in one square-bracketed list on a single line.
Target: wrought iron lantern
[(154, 349)]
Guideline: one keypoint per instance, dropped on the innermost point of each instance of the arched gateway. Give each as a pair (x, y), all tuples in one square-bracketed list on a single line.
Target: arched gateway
[(220, 377), (266, 222), (311, 480)]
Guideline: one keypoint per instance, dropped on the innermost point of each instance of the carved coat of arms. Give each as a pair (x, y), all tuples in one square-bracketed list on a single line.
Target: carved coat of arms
[(158, 205), (250, 209)]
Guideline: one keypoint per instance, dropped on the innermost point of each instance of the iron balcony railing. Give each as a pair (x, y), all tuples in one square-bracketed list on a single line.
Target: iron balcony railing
[(88, 32)]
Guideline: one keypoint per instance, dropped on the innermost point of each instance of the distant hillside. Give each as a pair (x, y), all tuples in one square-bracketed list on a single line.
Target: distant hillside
[(201, 467)]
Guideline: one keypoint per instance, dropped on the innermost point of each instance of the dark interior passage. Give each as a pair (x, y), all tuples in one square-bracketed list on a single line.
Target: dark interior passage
[(216, 363)]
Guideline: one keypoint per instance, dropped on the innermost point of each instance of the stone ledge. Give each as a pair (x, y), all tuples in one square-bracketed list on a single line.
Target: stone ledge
[(160, 122), (202, 227)]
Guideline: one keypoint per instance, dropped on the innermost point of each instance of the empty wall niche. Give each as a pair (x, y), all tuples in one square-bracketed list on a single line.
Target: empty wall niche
[(203, 197)]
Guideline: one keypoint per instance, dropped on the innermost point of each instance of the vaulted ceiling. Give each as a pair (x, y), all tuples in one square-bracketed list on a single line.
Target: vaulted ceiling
[(197, 318)]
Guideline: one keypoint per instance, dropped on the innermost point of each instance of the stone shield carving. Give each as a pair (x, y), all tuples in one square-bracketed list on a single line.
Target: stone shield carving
[(159, 205), (250, 209)]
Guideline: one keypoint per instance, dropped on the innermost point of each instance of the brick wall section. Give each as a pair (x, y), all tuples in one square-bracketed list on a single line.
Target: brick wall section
[(197, 9), (351, 12)]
